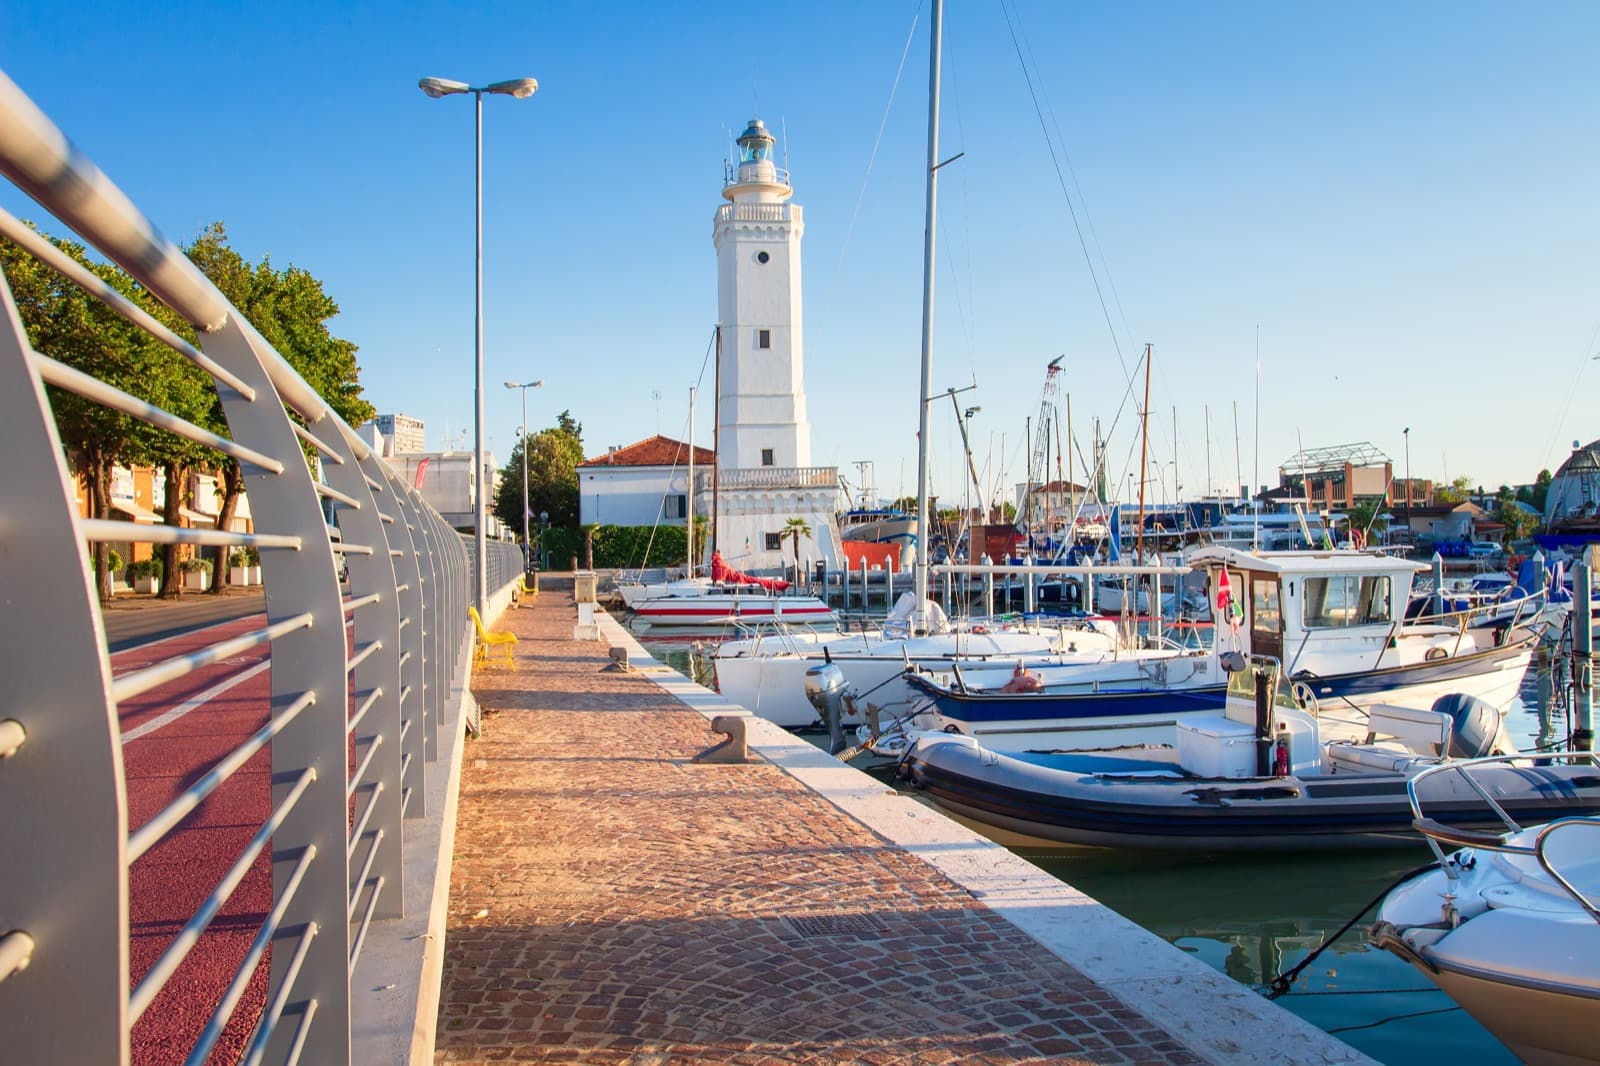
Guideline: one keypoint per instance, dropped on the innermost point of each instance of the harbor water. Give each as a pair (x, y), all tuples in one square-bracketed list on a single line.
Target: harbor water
[(1254, 917)]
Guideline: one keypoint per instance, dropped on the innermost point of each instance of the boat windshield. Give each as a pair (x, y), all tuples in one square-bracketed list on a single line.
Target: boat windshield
[(1242, 683)]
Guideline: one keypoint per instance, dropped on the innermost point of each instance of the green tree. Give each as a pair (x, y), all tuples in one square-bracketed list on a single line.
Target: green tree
[(794, 529), (553, 458), (71, 327), (1455, 492), (1518, 522), (1367, 519), (1536, 494), (291, 311)]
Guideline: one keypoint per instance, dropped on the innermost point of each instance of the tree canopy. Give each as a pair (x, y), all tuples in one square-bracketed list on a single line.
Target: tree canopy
[(553, 458)]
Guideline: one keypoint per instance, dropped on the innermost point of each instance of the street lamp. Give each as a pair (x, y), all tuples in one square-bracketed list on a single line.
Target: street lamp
[(527, 545), (518, 89)]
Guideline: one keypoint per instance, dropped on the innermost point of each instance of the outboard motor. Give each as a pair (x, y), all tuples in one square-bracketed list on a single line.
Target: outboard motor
[(825, 692), (1477, 729)]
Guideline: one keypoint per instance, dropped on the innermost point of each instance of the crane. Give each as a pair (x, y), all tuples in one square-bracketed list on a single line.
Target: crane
[(1039, 457)]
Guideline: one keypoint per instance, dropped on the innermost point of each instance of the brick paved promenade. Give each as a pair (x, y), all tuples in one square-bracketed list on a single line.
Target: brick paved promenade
[(612, 902)]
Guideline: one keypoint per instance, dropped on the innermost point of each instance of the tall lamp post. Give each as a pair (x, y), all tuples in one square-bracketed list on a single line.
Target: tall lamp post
[(518, 89), (527, 545)]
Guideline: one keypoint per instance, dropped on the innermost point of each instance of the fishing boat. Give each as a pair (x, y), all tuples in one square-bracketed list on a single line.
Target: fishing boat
[(1256, 774), (1335, 619), (1509, 926)]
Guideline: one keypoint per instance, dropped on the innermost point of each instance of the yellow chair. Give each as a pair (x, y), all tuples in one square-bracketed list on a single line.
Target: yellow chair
[(488, 638), (525, 590)]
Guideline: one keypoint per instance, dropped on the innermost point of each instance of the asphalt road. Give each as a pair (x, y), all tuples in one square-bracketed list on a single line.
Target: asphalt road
[(133, 620)]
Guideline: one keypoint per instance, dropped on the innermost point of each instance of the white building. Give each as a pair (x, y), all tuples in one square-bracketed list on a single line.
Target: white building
[(445, 481), (639, 484), (763, 440), (402, 434)]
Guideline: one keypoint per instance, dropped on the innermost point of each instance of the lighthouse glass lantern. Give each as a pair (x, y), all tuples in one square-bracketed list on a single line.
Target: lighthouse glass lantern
[(755, 143)]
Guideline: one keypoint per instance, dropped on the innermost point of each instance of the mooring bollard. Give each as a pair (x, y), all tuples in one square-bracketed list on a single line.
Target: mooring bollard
[(733, 750)]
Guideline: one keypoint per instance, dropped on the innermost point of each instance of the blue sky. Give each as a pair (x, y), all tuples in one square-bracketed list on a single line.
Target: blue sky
[(1400, 197)]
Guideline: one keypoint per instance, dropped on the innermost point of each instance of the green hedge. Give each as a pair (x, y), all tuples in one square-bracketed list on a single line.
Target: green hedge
[(617, 546)]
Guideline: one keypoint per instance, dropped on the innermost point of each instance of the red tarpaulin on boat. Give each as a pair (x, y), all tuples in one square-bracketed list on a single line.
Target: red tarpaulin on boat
[(722, 573), (880, 554)]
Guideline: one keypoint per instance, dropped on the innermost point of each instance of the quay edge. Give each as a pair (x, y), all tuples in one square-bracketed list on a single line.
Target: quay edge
[(1219, 1019)]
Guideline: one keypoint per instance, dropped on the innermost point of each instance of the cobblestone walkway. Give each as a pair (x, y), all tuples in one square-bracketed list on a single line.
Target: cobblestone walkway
[(612, 902)]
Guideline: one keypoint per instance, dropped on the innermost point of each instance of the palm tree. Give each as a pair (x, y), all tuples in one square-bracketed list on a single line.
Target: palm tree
[(794, 529)]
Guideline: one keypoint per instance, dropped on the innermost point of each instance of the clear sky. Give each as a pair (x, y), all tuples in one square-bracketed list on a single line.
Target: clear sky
[(1399, 197)]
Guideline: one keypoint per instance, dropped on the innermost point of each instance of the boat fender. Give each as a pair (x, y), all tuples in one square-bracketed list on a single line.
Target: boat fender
[(1022, 681), (1476, 726)]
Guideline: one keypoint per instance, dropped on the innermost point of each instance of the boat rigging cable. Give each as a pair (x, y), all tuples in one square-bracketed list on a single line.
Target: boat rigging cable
[(1077, 226), (1279, 985), (877, 141)]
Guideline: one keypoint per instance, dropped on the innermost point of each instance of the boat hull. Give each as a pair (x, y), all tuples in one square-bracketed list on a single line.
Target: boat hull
[(715, 610), (1054, 807), (1016, 722), (1520, 959)]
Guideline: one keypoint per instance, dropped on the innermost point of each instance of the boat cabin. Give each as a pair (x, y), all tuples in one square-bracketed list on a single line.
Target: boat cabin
[(1286, 601)]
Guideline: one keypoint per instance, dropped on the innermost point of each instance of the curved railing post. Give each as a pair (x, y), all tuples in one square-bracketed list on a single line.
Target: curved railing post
[(63, 818), (306, 660), (373, 852), (403, 550)]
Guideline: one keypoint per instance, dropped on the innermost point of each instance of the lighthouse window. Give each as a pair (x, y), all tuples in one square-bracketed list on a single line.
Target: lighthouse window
[(764, 339), (762, 257), (766, 456)]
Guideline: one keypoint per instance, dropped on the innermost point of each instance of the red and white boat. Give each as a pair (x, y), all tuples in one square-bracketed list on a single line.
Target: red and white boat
[(727, 596)]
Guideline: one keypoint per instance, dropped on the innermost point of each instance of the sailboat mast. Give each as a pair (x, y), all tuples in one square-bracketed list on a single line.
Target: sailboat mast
[(689, 510), (1072, 507), (924, 519), (716, 438), (1144, 452)]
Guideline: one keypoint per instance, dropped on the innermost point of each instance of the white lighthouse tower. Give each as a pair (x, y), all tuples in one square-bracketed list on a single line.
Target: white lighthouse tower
[(763, 440)]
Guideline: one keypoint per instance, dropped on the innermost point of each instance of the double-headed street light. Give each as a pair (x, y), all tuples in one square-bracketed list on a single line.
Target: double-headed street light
[(527, 545), (519, 89)]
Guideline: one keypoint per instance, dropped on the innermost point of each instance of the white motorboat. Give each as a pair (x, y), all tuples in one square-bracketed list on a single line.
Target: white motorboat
[(726, 598), (1509, 926), (765, 672), (1335, 619)]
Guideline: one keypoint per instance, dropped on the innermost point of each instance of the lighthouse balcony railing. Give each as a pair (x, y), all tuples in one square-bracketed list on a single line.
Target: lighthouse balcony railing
[(769, 477), (758, 213)]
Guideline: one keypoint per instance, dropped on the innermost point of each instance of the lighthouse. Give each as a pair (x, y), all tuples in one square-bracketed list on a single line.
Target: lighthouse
[(762, 409), (763, 441)]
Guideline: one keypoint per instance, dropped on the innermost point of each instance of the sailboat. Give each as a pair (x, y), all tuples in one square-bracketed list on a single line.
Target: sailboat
[(726, 596)]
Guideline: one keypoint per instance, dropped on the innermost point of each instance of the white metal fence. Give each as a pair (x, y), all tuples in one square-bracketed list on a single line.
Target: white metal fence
[(358, 671)]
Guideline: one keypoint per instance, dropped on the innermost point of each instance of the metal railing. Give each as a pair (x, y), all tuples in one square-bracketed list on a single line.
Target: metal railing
[(359, 677)]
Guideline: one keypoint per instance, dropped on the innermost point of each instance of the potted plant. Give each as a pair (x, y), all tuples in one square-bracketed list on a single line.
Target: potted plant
[(145, 575), (238, 567), (253, 563), (196, 574)]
